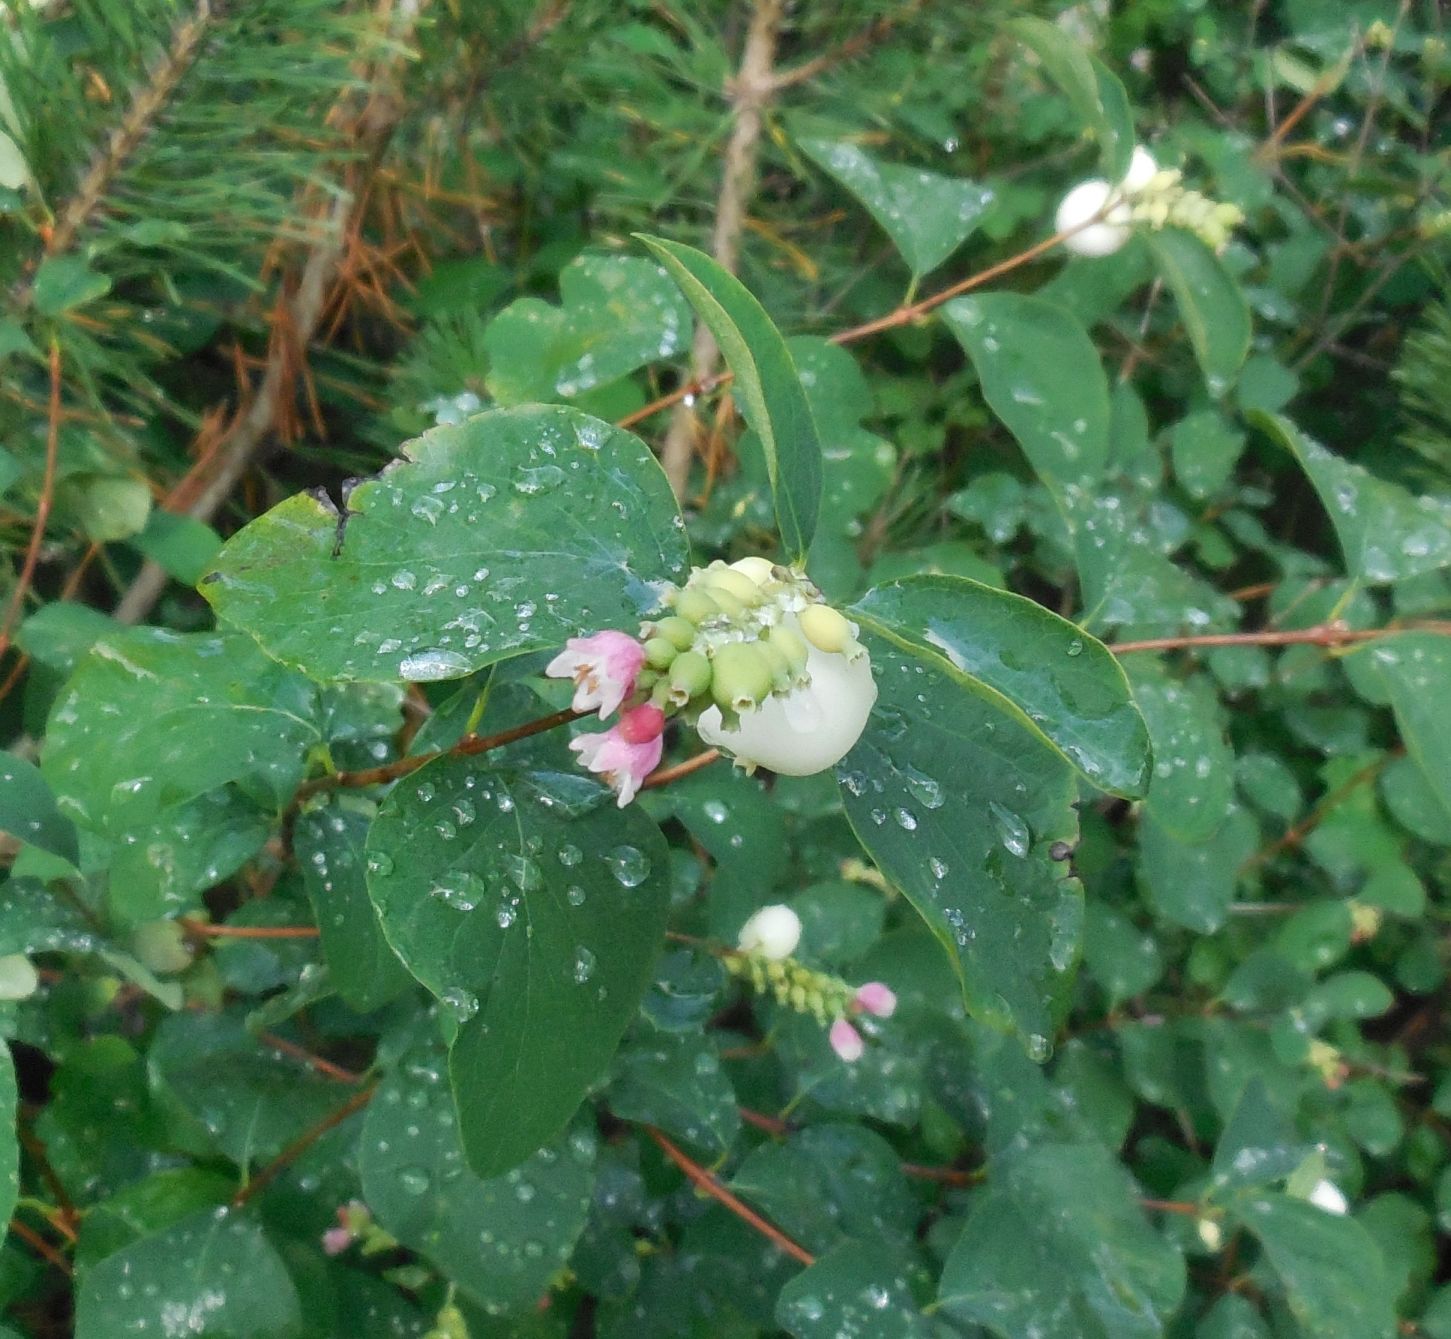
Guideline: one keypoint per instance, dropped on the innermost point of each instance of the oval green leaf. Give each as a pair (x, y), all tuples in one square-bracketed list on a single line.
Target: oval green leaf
[(1063, 684), (534, 910), (766, 382), (1211, 304), (506, 533)]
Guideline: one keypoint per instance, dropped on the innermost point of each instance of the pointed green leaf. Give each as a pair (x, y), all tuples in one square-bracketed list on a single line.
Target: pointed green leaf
[(616, 314), (1062, 684), (1042, 377), (928, 216), (500, 1240), (63, 282), (859, 1288), (1386, 533), (766, 383), (1211, 304), (507, 533), (534, 909), (1097, 95), (1192, 883), (28, 810), (961, 806), (1416, 670)]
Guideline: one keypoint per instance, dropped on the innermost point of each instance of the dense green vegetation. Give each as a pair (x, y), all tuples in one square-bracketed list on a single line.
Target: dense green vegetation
[(1021, 430)]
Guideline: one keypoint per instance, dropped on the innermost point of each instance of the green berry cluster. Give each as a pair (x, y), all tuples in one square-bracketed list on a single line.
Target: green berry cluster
[(1166, 202), (793, 984)]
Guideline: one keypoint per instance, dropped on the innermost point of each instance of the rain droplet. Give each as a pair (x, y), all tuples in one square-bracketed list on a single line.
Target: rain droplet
[(629, 865)]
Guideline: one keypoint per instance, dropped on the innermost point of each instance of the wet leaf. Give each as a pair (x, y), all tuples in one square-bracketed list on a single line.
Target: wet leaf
[(1211, 304), (1192, 883), (329, 843), (28, 810), (500, 1240), (927, 216), (1309, 1249), (1056, 1245), (507, 533), (766, 384), (9, 1143), (1060, 683), (860, 1288), (616, 314), (213, 1272), (1042, 377), (675, 1080), (534, 910), (961, 806)]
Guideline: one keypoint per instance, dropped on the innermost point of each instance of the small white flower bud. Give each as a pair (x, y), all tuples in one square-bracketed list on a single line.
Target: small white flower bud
[(1328, 1196), (1084, 202), (18, 978), (1142, 170), (1210, 1233), (760, 570), (773, 932)]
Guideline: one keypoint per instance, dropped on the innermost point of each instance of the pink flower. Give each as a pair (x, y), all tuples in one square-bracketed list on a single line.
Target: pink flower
[(846, 1041), (604, 668), (336, 1240), (876, 999), (627, 752)]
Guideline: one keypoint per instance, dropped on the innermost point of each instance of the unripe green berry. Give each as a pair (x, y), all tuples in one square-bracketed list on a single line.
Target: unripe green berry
[(680, 632), (740, 676), (161, 946), (825, 628), (790, 644), (695, 606), (660, 652), (690, 676), (733, 583), (727, 603), (760, 570)]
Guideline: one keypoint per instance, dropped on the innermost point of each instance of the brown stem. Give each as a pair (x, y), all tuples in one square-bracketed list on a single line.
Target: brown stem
[(42, 509), (316, 1062), (1185, 1207), (947, 1176), (205, 930), (859, 42), (300, 1145), (40, 1246), (770, 1124), (668, 774), (1293, 836), (750, 91), (466, 747), (1323, 634), (703, 1180)]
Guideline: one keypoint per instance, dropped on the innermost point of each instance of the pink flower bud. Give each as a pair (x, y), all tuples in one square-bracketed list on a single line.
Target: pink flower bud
[(846, 1041), (640, 725), (623, 762), (336, 1240), (604, 668), (876, 999)]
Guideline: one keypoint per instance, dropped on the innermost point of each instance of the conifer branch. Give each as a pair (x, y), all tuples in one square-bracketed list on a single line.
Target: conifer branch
[(150, 100)]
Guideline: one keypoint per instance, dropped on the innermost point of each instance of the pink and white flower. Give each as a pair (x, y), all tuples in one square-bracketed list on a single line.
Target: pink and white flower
[(604, 668), (846, 1041), (626, 753), (876, 999)]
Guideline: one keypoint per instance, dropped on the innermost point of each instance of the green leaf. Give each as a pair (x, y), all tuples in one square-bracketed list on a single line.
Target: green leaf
[(1193, 781), (329, 842), (501, 1240), (1060, 683), (183, 546), (1211, 304), (213, 1272), (9, 1141), (1097, 96), (766, 382), (152, 720), (674, 1080), (616, 314), (14, 172), (534, 910), (858, 1288), (107, 507), (831, 1183), (1205, 448), (960, 805), (1192, 883), (1055, 1245), (1416, 670), (28, 810), (507, 533), (1042, 377), (63, 282), (1259, 1146), (1332, 1271), (1386, 533), (927, 216), (141, 1207)]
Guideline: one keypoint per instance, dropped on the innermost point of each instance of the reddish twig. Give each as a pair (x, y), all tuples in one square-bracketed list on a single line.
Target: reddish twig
[(1186, 1207), (315, 1062), (205, 930), (42, 509), (41, 1247), (1294, 835), (770, 1124), (947, 1176), (668, 774), (1323, 634), (300, 1145), (707, 1183)]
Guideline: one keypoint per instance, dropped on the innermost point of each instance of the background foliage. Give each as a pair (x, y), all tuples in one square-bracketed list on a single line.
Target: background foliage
[(246, 250)]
